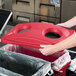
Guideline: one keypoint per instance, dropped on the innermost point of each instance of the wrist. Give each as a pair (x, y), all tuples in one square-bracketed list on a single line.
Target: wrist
[(57, 48)]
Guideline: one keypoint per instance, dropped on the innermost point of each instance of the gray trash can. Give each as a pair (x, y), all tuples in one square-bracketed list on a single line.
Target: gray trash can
[(5, 72), (23, 64)]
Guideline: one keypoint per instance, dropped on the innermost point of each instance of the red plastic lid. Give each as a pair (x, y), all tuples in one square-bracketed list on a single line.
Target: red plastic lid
[(35, 36)]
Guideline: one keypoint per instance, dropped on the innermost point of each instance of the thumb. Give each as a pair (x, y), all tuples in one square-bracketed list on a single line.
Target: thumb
[(60, 24)]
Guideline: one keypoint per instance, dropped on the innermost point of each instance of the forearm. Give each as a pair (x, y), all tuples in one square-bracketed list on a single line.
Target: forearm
[(71, 22), (67, 43), (72, 19)]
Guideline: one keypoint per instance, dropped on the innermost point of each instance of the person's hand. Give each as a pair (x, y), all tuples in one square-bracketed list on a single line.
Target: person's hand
[(70, 23), (47, 49), (67, 25)]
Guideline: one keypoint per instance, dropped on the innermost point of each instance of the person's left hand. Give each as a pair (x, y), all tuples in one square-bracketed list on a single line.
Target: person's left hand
[(47, 49)]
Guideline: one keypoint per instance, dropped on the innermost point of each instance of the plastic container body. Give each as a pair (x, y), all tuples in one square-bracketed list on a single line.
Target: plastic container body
[(61, 62), (22, 65), (29, 42)]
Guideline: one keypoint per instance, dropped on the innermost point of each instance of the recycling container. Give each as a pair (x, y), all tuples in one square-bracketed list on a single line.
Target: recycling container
[(37, 34), (5, 72), (22, 65)]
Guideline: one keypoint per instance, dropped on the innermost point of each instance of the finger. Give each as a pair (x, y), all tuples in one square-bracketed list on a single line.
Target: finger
[(43, 52), (65, 26), (60, 24), (43, 45), (40, 49)]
